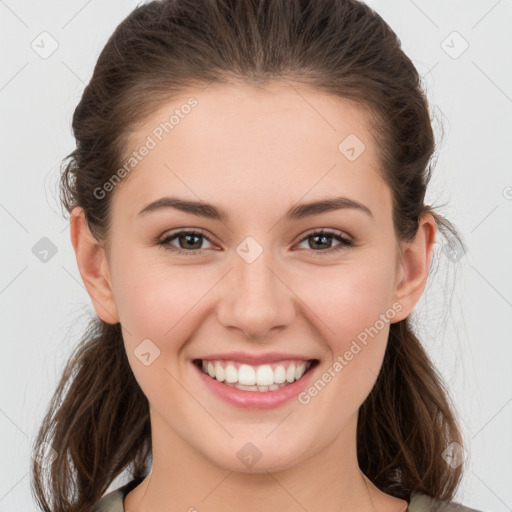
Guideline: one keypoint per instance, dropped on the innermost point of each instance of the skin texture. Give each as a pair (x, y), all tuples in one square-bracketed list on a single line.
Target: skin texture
[(255, 153)]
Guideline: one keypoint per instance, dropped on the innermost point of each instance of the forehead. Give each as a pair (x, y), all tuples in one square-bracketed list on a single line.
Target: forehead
[(239, 142), (221, 109)]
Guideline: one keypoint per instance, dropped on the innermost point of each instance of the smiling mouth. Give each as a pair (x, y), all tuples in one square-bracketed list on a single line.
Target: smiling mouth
[(266, 377)]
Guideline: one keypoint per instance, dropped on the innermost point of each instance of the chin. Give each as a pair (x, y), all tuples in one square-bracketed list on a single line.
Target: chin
[(257, 456)]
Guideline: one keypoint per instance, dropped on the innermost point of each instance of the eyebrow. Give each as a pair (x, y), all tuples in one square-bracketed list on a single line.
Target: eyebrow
[(300, 211)]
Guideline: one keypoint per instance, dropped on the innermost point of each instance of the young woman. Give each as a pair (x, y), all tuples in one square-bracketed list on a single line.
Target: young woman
[(247, 212)]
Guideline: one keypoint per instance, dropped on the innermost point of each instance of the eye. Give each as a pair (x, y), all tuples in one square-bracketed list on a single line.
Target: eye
[(321, 238), (187, 241)]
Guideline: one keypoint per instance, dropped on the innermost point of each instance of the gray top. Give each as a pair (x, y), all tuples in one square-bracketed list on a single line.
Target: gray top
[(114, 502)]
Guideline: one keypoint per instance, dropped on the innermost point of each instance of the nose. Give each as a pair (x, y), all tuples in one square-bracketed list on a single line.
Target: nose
[(255, 298)]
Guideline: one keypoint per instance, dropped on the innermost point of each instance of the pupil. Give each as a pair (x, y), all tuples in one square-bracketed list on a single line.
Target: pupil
[(188, 237), (323, 237)]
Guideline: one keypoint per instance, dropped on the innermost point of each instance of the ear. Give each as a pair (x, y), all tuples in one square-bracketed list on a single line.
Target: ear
[(413, 266), (93, 266)]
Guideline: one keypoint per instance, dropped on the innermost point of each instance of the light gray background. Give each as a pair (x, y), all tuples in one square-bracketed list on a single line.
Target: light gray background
[(466, 328)]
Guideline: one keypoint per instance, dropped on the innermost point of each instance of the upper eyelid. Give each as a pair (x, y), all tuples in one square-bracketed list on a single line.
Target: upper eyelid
[(326, 231), (173, 233)]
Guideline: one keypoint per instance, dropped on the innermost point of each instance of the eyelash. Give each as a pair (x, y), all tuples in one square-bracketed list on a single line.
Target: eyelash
[(344, 242)]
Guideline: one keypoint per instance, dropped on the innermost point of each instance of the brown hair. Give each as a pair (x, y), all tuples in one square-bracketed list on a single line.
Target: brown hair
[(98, 420)]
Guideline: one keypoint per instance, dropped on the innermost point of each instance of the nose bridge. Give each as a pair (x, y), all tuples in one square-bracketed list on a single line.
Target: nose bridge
[(256, 300), (255, 279)]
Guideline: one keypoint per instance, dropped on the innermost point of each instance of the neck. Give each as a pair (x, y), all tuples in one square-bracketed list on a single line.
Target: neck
[(184, 479)]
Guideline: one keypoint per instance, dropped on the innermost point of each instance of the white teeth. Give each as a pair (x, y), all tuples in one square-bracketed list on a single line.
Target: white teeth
[(260, 378), (211, 370), (246, 388), (299, 371), (264, 375), (246, 375), (231, 374), (220, 374), (272, 387), (279, 374)]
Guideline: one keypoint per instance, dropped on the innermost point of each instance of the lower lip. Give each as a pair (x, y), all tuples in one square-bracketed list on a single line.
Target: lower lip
[(256, 399)]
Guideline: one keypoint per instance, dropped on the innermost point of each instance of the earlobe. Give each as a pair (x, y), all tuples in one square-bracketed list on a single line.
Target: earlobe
[(93, 267), (414, 265)]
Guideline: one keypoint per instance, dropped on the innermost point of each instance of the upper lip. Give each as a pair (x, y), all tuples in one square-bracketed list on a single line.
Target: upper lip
[(255, 359)]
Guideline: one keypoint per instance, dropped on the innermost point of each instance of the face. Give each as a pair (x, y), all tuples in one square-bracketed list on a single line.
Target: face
[(258, 281)]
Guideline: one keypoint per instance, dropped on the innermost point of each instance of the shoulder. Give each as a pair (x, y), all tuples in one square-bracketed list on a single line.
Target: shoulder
[(114, 501), (111, 502), (423, 503)]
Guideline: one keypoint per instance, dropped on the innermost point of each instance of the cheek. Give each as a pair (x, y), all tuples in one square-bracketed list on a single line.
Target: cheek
[(353, 315), (157, 308), (353, 311), (156, 300), (153, 299), (348, 299)]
